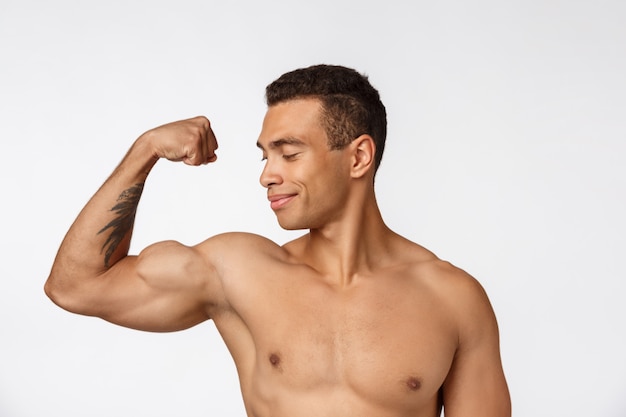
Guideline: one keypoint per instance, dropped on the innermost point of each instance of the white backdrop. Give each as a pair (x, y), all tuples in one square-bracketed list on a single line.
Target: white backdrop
[(507, 136)]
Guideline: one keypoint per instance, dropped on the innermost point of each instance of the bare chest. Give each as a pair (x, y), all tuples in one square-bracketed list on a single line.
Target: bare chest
[(392, 346)]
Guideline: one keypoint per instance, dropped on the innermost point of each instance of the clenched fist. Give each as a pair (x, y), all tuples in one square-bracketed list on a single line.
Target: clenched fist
[(191, 141)]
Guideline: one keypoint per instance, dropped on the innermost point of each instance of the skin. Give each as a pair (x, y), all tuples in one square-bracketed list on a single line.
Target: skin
[(351, 319)]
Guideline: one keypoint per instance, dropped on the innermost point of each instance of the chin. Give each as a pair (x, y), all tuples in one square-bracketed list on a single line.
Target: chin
[(289, 226), (292, 224)]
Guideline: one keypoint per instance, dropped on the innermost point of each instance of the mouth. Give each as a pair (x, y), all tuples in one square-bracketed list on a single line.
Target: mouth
[(280, 200)]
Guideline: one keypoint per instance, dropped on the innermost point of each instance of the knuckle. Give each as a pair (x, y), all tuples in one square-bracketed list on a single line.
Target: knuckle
[(203, 121)]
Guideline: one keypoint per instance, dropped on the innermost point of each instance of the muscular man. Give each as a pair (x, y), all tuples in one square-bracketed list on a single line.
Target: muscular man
[(351, 319)]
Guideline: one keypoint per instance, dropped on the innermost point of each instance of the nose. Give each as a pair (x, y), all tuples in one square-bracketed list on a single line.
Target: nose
[(270, 175)]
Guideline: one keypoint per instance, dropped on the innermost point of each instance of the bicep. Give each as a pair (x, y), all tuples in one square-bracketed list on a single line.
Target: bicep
[(476, 385), (168, 287)]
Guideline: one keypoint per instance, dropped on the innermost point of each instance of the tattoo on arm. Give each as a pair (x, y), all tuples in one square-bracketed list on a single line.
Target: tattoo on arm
[(125, 210)]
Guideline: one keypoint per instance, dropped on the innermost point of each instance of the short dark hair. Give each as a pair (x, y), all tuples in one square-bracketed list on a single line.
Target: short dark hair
[(351, 106)]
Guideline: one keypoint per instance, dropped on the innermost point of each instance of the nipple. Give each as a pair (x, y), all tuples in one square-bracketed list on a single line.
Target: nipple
[(275, 361), (413, 383)]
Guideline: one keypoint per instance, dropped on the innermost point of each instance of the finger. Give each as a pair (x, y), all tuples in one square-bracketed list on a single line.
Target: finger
[(205, 139), (192, 156), (204, 146), (212, 142), (210, 145)]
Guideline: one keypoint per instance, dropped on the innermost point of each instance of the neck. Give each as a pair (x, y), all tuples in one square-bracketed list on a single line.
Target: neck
[(355, 244)]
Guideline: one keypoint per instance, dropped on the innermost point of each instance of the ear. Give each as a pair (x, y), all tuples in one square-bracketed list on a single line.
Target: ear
[(363, 151)]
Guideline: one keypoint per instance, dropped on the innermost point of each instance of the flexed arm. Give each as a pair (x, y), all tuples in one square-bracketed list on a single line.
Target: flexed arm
[(93, 274)]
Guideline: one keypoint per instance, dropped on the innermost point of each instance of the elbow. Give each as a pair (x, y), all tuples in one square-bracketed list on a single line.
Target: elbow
[(70, 293), (52, 290), (58, 292)]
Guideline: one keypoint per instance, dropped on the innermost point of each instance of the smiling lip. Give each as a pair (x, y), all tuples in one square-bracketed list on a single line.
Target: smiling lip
[(279, 200)]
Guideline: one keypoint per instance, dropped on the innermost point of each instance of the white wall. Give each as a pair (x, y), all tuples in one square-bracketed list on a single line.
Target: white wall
[(505, 156)]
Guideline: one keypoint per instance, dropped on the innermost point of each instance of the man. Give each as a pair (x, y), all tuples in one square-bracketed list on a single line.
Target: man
[(350, 319)]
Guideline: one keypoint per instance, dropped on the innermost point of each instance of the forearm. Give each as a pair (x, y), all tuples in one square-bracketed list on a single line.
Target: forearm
[(100, 235)]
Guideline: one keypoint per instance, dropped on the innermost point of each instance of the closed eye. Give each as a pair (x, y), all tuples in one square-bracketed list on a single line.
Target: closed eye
[(291, 157)]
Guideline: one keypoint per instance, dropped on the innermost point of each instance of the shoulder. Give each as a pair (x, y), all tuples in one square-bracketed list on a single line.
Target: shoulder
[(227, 247), (239, 251), (450, 280), (234, 242), (461, 296), (444, 278), (439, 277), (452, 283), (465, 301)]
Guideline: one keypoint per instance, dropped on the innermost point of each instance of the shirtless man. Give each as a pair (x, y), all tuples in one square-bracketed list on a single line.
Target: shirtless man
[(351, 319)]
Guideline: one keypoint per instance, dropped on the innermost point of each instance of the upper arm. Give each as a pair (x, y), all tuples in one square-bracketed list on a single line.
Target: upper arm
[(476, 385), (167, 287)]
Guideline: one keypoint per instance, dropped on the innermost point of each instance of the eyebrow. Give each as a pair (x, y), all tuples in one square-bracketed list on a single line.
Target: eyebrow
[(281, 142)]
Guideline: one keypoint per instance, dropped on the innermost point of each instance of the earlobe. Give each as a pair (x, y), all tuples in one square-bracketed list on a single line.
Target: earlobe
[(364, 149)]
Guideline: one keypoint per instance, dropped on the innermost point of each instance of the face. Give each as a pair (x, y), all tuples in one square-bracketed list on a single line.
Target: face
[(306, 181)]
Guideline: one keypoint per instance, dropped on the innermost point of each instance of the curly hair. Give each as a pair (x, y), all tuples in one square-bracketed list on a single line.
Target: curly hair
[(351, 106)]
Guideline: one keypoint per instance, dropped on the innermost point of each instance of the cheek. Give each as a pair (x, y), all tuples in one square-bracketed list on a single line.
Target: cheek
[(332, 187), (326, 178)]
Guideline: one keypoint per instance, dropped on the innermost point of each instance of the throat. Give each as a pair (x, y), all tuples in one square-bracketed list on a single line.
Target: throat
[(344, 254)]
